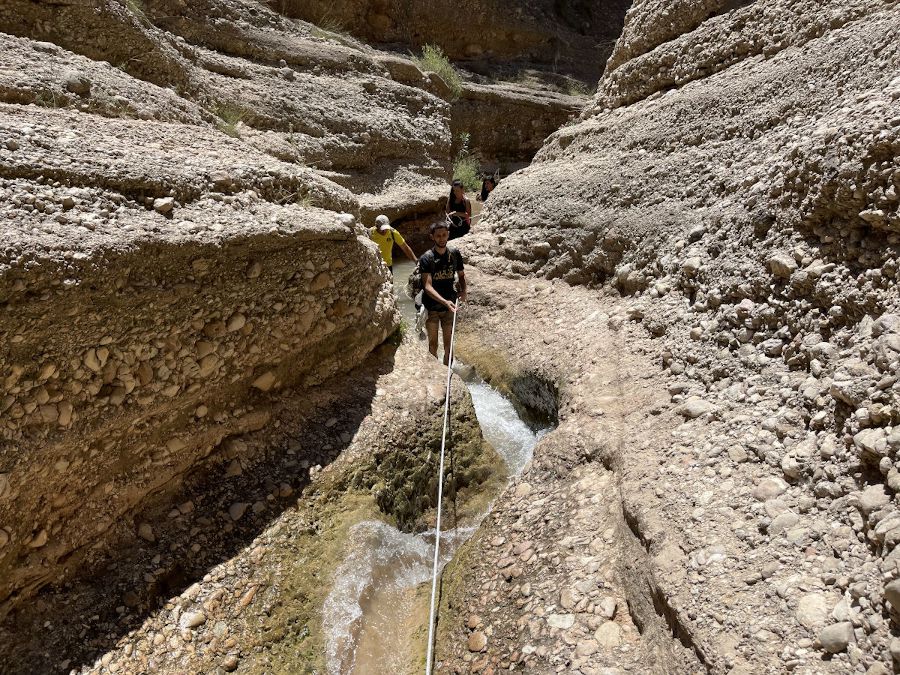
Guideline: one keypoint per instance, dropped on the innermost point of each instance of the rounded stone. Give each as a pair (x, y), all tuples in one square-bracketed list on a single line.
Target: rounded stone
[(837, 637), (477, 642)]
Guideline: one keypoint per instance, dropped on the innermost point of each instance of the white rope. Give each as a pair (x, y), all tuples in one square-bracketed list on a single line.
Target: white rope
[(437, 529)]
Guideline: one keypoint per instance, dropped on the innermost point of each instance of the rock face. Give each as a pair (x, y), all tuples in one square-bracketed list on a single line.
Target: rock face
[(507, 124), (268, 81), (170, 266), (135, 344), (570, 36), (236, 569), (722, 226)]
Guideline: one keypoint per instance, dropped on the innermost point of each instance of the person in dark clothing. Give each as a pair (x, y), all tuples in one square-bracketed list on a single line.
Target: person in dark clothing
[(439, 265), (459, 211), (487, 186)]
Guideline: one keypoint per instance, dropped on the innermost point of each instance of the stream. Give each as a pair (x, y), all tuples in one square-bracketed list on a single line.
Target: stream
[(373, 616)]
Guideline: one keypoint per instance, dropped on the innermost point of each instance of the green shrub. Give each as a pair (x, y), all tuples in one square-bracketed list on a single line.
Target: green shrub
[(137, 8), (329, 28), (434, 60), (466, 167), (230, 115)]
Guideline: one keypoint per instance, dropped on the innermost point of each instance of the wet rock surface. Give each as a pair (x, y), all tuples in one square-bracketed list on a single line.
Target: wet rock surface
[(235, 567)]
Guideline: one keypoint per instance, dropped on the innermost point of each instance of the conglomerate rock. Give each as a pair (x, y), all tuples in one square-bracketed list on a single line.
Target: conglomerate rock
[(726, 211)]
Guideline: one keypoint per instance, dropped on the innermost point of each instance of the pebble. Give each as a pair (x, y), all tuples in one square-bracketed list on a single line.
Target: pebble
[(608, 635), (145, 532), (164, 205), (695, 407), (561, 621), (837, 637), (236, 510), (477, 642), (78, 84), (192, 619), (769, 488), (812, 611)]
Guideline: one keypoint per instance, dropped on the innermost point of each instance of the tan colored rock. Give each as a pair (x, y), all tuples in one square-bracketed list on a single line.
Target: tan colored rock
[(266, 381), (477, 642)]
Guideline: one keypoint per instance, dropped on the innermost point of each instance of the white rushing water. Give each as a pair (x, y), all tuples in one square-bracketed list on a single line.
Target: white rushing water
[(370, 615)]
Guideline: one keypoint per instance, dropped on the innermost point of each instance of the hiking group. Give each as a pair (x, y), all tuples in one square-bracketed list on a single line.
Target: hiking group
[(443, 278)]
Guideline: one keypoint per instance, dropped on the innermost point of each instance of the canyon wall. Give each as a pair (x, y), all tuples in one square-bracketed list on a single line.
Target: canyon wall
[(726, 212), (184, 188), (568, 36), (170, 263)]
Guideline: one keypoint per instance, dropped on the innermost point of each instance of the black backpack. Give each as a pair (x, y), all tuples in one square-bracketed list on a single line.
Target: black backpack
[(414, 283)]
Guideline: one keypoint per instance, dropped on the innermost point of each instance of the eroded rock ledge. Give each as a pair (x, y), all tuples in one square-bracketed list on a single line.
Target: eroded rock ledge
[(125, 363)]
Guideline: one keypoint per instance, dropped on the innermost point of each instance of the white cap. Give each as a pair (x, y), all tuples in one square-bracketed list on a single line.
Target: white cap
[(382, 223)]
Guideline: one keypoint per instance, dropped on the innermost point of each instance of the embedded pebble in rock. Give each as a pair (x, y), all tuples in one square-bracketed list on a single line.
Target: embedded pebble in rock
[(769, 488), (192, 619), (892, 594), (237, 510), (78, 83), (695, 407), (837, 637), (477, 642), (872, 498), (812, 611), (145, 532), (586, 648), (608, 636), (561, 621), (608, 607), (163, 205)]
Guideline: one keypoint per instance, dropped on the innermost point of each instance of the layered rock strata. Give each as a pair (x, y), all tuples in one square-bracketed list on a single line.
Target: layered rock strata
[(568, 36), (287, 89), (507, 124), (730, 205), (132, 352)]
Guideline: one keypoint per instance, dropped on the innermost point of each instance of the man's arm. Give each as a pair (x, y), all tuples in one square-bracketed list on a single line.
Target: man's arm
[(429, 289), (408, 251), (462, 285)]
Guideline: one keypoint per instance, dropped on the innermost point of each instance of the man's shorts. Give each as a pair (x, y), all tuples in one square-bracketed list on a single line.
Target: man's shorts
[(444, 317)]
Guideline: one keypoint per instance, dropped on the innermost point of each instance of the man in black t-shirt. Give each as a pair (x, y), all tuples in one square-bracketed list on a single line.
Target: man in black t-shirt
[(439, 265)]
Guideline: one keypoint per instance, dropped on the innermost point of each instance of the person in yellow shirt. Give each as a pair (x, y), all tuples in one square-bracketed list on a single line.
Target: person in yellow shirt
[(386, 236)]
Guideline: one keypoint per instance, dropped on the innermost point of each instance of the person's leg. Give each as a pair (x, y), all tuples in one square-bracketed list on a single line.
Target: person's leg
[(431, 326), (447, 327)]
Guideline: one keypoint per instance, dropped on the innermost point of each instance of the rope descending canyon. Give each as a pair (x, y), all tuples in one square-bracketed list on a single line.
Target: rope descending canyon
[(437, 527)]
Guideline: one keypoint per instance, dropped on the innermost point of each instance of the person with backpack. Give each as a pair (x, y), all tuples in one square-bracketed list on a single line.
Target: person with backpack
[(440, 266), (386, 236), (459, 211)]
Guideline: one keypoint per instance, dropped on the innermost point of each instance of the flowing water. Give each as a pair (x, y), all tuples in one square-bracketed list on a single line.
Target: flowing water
[(374, 618)]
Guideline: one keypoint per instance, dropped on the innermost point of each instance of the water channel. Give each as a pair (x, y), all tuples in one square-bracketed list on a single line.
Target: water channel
[(374, 614)]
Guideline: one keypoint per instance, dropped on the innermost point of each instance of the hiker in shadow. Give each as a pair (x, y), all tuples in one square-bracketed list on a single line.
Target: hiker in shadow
[(487, 186), (459, 211)]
